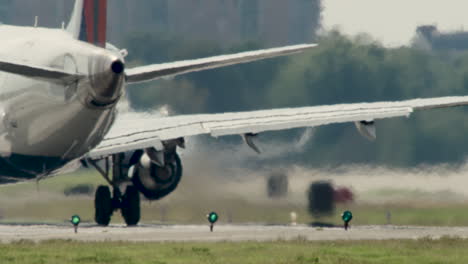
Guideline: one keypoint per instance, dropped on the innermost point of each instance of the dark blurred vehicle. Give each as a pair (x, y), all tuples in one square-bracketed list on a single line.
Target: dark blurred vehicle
[(322, 197), (277, 185)]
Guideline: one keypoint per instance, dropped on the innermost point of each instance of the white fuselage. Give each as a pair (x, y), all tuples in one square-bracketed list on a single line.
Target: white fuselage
[(45, 124)]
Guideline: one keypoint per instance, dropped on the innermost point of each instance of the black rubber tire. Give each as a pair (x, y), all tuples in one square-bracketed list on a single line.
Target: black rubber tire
[(131, 206), (103, 206)]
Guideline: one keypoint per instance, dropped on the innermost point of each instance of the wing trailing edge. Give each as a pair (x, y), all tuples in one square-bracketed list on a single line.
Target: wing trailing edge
[(156, 71)]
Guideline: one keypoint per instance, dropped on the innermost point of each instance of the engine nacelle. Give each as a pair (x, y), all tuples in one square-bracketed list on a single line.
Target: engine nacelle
[(155, 181)]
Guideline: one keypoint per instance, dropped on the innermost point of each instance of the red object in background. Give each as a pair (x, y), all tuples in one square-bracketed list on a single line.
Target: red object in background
[(343, 195)]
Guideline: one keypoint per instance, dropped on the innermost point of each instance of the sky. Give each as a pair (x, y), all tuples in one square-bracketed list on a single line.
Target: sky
[(393, 22)]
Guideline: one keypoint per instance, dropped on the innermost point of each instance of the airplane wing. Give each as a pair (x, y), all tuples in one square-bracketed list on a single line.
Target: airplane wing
[(156, 71), (136, 131), (39, 72)]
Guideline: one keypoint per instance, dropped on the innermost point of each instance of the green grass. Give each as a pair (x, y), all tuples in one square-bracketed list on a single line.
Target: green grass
[(28, 202), (444, 250)]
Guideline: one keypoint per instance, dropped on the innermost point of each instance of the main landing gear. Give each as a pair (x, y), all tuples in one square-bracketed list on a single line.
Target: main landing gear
[(105, 203)]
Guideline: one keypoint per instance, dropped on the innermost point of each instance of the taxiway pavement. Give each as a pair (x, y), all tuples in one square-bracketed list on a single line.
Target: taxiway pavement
[(162, 233)]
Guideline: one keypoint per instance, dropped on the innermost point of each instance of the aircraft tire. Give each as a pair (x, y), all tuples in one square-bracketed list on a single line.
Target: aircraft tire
[(103, 206), (131, 206)]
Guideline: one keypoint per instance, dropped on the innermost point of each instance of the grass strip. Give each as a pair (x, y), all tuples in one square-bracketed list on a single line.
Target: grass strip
[(444, 250)]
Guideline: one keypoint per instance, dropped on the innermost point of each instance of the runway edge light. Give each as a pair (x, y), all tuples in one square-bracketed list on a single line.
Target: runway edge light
[(346, 216), (75, 220), (212, 218)]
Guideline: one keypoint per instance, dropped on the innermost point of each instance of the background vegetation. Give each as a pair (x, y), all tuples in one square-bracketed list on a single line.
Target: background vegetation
[(341, 70)]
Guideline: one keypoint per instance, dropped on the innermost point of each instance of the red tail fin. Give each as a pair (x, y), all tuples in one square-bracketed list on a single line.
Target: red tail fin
[(94, 22)]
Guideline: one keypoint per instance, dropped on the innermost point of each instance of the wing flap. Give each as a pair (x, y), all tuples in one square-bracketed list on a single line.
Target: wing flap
[(39, 72), (155, 71), (274, 125)]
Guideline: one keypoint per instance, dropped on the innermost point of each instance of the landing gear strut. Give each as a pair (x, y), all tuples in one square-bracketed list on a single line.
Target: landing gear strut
[(128, 203)]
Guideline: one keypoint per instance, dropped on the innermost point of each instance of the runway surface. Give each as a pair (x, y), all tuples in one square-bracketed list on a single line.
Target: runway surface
[(162, 233)]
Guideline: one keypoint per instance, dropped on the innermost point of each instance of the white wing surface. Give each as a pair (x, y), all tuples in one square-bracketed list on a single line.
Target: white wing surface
[(155, 71), (134, 131), (39, 72)]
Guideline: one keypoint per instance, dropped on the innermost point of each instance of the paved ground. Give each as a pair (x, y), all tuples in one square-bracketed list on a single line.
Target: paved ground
[(221, 233)]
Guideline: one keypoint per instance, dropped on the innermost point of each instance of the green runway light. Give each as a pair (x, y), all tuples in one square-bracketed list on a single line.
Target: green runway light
[(346, 216), (75, 220), (212, 217)]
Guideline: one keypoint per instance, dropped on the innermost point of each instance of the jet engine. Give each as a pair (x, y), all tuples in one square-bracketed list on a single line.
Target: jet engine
[(157, 174)]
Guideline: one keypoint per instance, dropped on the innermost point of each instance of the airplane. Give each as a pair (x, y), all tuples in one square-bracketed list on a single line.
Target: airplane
[(59, 90)]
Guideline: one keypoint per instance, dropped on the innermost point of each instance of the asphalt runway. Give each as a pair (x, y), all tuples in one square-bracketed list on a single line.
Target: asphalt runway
[(163, 233)]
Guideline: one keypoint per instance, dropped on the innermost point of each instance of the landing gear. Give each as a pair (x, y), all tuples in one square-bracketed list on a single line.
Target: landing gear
[(156, 173), (105, 204), (129, 205)]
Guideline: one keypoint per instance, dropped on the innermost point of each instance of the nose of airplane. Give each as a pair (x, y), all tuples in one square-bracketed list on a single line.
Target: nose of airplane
[(106, 80)]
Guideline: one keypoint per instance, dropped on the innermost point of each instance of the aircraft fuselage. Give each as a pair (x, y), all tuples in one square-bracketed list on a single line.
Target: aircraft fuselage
[(44, 125)]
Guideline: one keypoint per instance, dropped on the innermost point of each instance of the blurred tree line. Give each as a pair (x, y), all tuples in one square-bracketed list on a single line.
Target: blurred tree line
[(340, 70)]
